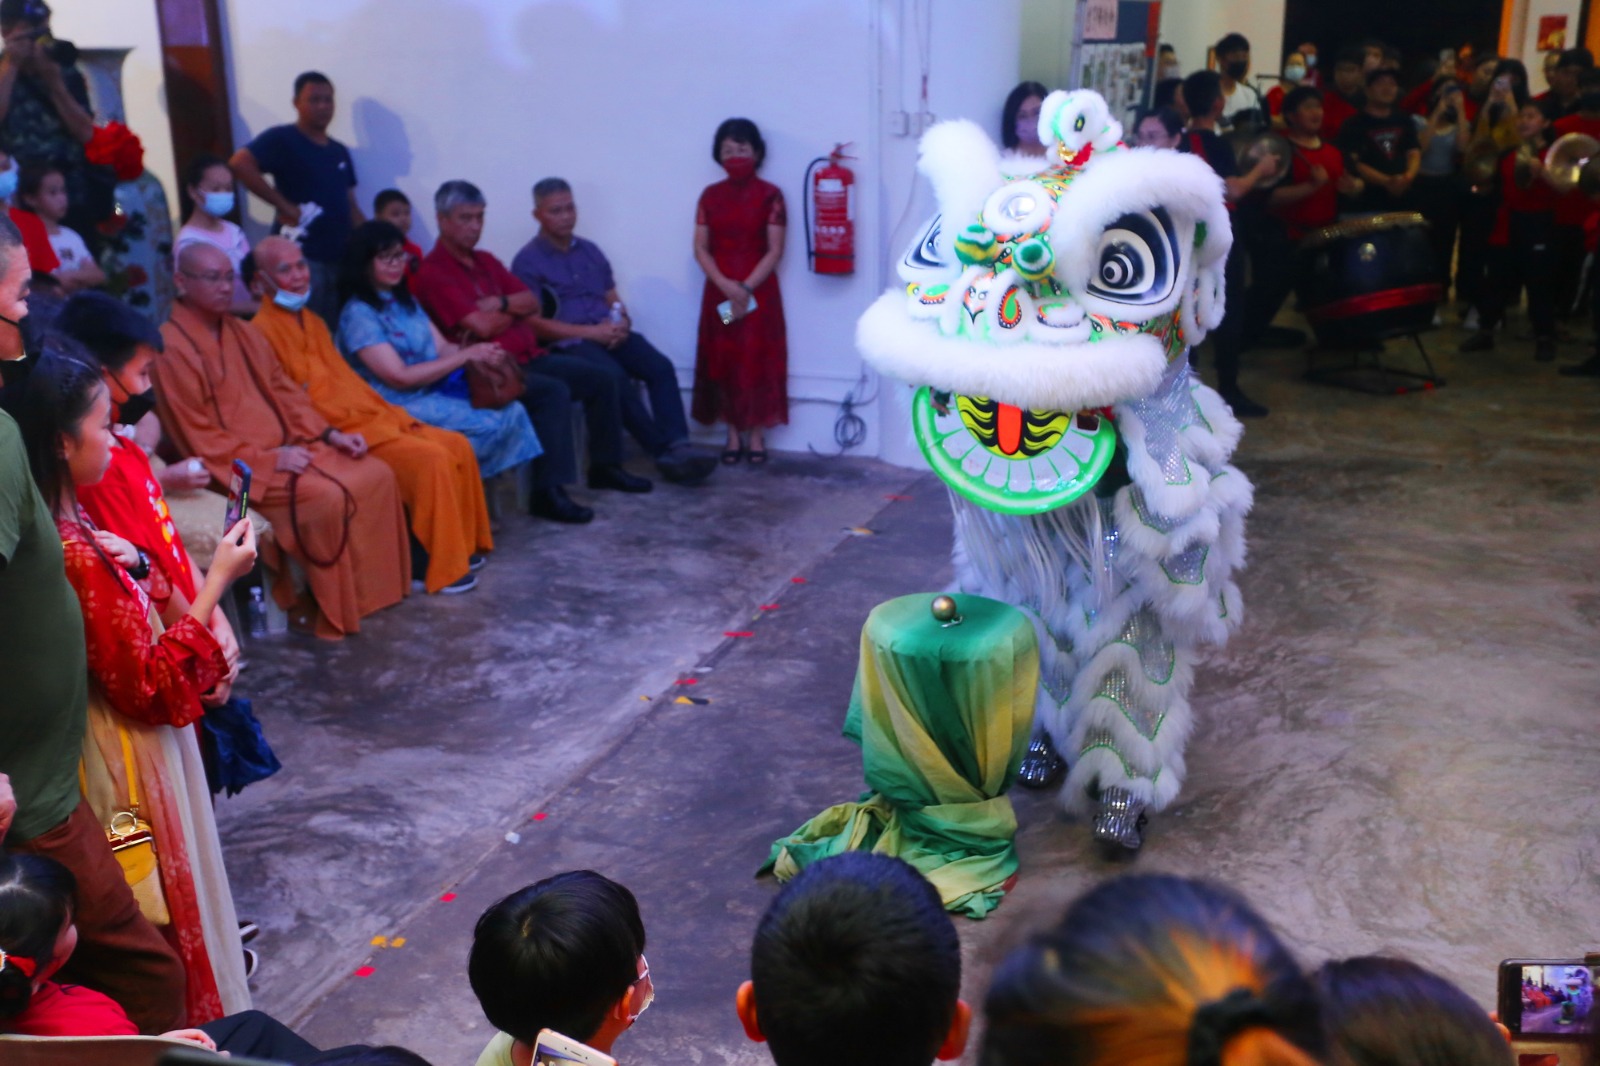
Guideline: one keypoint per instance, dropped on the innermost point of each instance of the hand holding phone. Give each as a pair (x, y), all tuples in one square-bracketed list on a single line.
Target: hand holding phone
[(238, 496), (1549, 999)]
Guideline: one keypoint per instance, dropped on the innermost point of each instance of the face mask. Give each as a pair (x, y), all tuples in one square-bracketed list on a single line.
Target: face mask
[(1311, 61), (8, 182), (1171, 70), (291, 301), (740, 167), (136, 406), (1238, 69), (1294, 73), (219, 203)]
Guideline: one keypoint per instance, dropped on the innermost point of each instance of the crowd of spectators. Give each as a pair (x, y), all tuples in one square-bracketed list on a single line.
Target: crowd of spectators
[(1463, 143)]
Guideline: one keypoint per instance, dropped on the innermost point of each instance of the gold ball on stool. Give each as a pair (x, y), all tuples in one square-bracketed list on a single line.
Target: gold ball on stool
[(944, 608)]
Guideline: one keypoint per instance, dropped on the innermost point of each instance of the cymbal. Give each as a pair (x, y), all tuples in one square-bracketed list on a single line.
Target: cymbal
[(1566, 158)]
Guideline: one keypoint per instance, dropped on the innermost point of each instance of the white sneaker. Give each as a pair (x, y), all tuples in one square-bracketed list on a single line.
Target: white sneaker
[(1470, 321)]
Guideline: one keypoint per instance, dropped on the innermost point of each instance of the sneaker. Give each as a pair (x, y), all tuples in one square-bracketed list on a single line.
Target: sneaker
[(1544, 350), (477, 561), (252, 962), (1481, 341), (1589, 368), (248, 931), (1469, 322), (456, 588)]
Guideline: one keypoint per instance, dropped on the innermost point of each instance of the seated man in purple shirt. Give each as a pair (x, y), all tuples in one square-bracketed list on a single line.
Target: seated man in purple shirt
[(591, 322)]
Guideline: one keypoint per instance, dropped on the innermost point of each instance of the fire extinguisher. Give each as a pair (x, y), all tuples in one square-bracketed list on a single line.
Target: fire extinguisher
[(830, 196)]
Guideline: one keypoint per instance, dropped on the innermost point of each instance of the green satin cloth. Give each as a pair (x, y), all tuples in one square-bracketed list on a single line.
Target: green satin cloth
[(943, 717)]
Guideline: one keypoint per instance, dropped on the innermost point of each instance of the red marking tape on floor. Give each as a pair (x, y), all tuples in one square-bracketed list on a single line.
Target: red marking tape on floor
[(738, 633), (365, 971)]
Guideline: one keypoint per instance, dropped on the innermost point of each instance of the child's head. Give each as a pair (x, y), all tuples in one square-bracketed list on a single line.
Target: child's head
[(209, 183), (856, 963), (1391, 1011), (42, 189), (36, 931), (566, 954), (1152, 969), (1531, 121), (391, 206), (1302, 111)]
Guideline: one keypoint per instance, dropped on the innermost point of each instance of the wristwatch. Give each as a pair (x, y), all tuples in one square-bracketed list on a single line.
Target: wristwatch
[(142, 570)]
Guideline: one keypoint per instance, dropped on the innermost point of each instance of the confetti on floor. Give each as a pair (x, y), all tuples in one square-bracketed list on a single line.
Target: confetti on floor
[(769, 606), (513, 838), (398, 942), (897, 496), (698, 701), (541, 816), (687, 681), (797, 580), (380, 941), (447, 897), (738, 633), (860, 531), (365, 971)]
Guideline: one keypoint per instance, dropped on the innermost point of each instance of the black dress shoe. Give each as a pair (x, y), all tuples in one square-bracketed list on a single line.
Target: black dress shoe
[(685, 468), (614, 477), (557, 506), (1243, 406)]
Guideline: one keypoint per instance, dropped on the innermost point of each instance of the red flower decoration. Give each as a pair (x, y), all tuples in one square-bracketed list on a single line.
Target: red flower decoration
[(116, 146), (137, 275)]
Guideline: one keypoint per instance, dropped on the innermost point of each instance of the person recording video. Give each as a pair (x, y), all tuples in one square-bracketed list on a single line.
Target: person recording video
[(44, 106)]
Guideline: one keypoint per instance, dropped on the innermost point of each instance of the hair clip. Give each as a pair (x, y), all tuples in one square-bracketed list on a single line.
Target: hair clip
[(27, 966)]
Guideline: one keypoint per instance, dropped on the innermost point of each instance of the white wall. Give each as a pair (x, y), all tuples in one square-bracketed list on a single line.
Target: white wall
[(1525, 34), (1193, 26), (621, 97), (1047, 41), (128, 24)]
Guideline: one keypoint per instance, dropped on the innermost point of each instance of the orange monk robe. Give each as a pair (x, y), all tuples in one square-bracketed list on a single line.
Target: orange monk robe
[(226, 398), (436, 469)]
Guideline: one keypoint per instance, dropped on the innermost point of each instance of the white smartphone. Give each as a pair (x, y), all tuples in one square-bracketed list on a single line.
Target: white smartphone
[(553, 1049), (725, 310)]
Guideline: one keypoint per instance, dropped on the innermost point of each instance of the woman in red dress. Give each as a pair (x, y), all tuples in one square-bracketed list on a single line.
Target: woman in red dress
[(145, 682), (741, 371)]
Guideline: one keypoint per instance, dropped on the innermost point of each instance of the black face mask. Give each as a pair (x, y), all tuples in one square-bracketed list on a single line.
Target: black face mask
[(15, 371), (1237, 69), (136, 406)]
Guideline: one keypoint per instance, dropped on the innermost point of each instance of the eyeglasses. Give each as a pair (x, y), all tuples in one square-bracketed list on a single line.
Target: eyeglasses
[(395, 258), (212, 277), (650, 991)]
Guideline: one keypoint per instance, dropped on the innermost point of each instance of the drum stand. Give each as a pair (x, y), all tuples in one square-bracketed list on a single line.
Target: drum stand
[(1364, 369)]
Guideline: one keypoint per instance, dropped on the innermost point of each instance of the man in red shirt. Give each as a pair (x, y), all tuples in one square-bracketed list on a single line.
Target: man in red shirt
[(1309, 197), (1347, 97), (1574, 209), (472, 297)]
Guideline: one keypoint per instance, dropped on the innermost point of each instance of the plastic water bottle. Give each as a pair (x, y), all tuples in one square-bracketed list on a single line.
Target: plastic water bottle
[(616, 311), (256, 620)]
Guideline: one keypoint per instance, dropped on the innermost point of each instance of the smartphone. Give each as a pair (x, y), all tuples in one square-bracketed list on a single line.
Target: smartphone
[(1549, 999), (725, 310), (550, 1048), (238, 495), (1503, 83)]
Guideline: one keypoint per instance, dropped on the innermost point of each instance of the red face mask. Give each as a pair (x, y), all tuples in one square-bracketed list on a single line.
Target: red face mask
[(740, 167)]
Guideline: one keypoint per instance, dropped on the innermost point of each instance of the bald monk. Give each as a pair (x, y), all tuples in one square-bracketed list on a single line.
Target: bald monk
[(436, 469), (223, 396)]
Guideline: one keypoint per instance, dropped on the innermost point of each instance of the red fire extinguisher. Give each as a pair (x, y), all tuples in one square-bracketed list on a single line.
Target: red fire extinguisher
[(830, 197)]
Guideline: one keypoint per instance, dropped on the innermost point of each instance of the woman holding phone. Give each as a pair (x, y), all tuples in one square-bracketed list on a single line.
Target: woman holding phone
[(146, 679), (1440, 188)]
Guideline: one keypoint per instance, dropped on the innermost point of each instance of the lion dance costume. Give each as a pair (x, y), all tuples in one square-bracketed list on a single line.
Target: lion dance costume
[(1047, 318)]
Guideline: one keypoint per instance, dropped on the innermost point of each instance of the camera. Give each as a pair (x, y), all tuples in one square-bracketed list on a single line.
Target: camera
[(1549, 999)]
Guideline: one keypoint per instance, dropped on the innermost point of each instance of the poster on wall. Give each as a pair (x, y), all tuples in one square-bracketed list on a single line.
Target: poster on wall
[(1552, 33), (1100, 20), (1118, 72)]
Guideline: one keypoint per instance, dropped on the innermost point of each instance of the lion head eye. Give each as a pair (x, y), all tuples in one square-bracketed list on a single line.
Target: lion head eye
[(1137, 261)]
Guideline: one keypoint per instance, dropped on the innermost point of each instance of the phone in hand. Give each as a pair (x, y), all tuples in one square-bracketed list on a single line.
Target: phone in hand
[(725, 310), (1549, 999), (238, 495), (550, 1048)]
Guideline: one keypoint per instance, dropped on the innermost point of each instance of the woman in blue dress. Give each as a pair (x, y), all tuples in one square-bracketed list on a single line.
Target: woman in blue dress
[(389, 339)]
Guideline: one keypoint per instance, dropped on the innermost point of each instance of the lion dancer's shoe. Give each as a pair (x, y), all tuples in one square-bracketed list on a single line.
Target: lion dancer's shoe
[(1119, 821), (1042, 766)]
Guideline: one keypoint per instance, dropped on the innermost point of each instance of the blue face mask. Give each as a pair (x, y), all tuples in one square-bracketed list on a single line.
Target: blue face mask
[(219, 203), (291, 301), (8, 183)]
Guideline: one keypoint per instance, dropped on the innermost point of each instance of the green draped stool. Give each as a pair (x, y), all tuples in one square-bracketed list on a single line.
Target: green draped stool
[(943, 714)]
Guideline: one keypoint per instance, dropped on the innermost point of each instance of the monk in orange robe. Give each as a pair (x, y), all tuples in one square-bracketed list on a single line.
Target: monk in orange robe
[(436, 468), (222, 395)]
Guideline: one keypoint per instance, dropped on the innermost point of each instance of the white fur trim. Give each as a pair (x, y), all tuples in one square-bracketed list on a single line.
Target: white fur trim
[(963, 166), (1063, 377)]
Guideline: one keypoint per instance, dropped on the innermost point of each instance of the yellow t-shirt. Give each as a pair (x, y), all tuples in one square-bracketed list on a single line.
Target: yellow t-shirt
[(498, 1051)]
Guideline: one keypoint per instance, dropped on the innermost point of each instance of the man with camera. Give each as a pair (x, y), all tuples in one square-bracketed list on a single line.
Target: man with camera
[(44, 107)]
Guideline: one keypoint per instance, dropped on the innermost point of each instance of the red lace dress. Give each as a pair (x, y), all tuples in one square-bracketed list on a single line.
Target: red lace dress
[(741, 371), (151, 687)]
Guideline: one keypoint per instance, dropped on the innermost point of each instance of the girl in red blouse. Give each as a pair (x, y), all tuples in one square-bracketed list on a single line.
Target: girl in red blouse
[(146, 685)]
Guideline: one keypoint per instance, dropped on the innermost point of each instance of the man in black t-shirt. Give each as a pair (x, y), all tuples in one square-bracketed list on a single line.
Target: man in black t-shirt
[(1381, 147)]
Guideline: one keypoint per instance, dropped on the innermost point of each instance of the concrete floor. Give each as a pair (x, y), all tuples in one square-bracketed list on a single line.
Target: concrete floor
[(1397, 752)]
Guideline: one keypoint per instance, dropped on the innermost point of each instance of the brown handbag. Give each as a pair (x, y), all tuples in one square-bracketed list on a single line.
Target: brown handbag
[(494, 384)]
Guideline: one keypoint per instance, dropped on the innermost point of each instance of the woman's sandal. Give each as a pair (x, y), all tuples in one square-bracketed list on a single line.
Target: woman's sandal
[(756, 456), (731, 456)]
